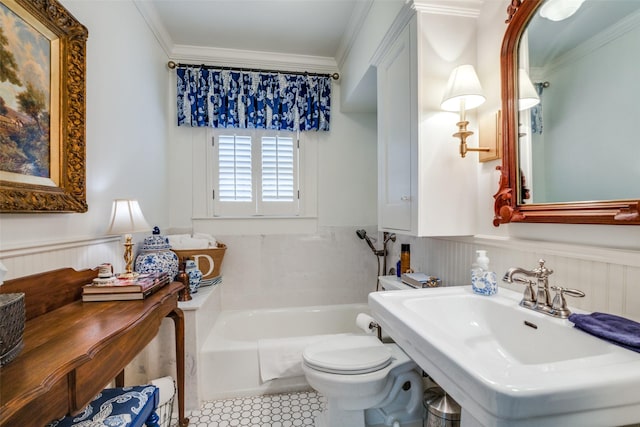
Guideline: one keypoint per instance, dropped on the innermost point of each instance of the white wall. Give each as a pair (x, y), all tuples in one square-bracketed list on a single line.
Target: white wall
[(491, 29), (355, 65), (129, 155), (603, 261), (135, 150), (583, 144), (290, 262), (126, 145)]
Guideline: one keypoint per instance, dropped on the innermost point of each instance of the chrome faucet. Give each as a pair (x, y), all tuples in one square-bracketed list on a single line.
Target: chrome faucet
[(541, 300)]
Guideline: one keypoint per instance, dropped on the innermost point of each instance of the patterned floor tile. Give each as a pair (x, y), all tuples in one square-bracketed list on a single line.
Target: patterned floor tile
[(275, 410)]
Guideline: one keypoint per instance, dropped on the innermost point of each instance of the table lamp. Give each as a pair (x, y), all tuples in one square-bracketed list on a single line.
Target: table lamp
[(127, 218)]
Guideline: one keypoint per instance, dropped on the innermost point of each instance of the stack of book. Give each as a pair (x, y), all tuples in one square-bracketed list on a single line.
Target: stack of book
[(125, 289)]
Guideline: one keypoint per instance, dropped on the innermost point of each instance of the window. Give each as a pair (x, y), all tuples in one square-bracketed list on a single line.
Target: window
[(255, 173)]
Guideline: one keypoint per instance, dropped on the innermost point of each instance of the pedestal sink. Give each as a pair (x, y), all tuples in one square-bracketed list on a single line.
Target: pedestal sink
[(510, 366)]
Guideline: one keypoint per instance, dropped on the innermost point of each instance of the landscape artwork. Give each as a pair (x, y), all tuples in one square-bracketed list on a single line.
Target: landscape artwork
[(25, 98)]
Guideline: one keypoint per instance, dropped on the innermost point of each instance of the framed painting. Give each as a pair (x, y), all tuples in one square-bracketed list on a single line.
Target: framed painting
[(42, 108)]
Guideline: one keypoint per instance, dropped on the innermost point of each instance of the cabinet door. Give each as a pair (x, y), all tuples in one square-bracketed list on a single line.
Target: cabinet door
[(395, 133)]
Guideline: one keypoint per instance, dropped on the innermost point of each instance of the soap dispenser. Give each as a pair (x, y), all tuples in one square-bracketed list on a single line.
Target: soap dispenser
[(483, 280)]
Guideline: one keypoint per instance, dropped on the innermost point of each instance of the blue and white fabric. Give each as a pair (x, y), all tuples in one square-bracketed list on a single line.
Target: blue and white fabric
[(223, 98), (117, 407)]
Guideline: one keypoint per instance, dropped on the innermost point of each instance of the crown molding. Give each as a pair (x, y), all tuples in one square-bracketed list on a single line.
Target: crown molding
[(465, 8), (249, 59), (608, 35)]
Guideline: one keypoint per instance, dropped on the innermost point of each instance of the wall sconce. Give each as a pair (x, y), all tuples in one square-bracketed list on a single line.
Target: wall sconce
[(527, 94), (463, 93), (127, 218), (559, 10)]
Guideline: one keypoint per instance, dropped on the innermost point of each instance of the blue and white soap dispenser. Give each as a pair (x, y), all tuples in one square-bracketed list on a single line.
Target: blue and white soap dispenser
[(483, 280)]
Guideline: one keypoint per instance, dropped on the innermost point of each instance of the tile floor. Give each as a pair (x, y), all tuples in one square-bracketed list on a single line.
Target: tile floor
[(276, 410)]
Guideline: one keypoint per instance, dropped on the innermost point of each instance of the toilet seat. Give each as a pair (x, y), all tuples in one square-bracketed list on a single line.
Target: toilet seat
[(348, 355)]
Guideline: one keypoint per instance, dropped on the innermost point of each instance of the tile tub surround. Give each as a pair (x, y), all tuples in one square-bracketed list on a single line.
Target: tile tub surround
[(331, 266)]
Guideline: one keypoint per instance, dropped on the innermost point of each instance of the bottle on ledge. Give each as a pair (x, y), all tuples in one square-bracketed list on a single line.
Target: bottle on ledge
[(183, 277)]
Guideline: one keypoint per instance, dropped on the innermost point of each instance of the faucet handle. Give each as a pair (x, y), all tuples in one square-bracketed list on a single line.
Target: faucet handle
[(529, 297), (541, 270), (559, 305)]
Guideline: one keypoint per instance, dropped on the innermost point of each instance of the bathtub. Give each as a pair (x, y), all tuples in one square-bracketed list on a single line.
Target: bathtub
[(229, 358)]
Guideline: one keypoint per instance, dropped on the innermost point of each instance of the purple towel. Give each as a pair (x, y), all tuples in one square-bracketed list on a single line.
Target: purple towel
[(615, 329)]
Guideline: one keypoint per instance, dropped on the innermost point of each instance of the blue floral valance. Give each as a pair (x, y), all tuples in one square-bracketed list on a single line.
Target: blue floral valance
[(223, 98)]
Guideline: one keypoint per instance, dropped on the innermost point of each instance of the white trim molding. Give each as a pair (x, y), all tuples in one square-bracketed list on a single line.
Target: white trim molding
[(32, 248), (625, 257), (465, 8), (248, 59)]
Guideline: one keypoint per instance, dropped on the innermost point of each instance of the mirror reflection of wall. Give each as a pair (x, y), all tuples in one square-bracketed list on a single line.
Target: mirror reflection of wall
[(525, 149), (585, 148)]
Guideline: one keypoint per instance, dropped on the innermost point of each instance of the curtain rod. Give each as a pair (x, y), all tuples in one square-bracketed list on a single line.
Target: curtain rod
[(172, 65)]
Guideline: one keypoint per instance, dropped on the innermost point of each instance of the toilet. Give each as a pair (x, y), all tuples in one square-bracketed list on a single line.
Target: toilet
[(366, 383)]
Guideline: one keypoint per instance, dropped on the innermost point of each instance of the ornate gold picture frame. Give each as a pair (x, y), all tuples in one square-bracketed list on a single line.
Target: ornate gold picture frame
[(42, 108)]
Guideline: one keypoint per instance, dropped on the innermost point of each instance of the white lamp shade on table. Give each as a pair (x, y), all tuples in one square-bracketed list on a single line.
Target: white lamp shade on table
[(127, 218)]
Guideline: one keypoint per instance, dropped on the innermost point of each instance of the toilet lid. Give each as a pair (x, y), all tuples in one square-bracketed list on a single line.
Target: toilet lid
[(348, 354)]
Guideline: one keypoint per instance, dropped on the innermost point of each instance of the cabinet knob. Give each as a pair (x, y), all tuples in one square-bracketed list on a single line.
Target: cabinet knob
[(405, 198)]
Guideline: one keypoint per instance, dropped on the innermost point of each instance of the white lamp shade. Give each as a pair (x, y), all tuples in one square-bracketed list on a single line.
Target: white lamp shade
[(558, 10), (527, 94), (127, 218), (463, 85)]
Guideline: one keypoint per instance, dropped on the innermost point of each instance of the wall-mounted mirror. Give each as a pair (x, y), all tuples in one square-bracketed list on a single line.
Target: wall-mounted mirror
[(570, 104)]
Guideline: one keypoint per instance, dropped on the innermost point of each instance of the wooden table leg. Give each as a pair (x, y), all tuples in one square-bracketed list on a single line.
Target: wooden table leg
[(178, 321), (120, 379)]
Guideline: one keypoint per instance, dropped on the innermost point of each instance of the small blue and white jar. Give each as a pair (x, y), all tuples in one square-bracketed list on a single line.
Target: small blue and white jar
[(156, 256), (484, 282), (195, 275)]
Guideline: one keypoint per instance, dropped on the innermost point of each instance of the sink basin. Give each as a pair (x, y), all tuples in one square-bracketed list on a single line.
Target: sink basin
[(510, 366)]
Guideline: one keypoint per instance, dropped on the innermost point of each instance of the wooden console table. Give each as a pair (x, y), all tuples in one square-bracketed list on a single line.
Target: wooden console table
[(72, 350)]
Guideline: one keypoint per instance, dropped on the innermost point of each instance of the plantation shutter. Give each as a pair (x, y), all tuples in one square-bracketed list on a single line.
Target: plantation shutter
[(234, 162), (255, 174), (277, 169)]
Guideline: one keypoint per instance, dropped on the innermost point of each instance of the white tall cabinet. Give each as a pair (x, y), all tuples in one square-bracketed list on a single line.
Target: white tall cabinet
[(396, 134), (424, 187)]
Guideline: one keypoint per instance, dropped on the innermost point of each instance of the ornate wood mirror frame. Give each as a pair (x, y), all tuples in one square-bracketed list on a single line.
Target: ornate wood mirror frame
[(63, 189), (506, 206)]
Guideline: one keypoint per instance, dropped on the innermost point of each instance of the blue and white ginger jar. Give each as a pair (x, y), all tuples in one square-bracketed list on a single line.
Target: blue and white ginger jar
[(195, 275), (156, 256)]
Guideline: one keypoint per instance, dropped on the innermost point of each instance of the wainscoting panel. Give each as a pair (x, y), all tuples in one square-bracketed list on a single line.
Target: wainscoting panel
[(77, 254), (609, 277)]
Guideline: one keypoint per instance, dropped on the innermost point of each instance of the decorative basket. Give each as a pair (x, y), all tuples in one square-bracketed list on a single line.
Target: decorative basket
[(12, 318), (209, 260), (164, 411)]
